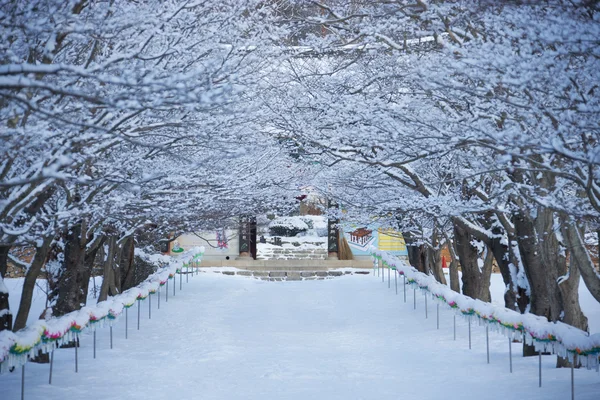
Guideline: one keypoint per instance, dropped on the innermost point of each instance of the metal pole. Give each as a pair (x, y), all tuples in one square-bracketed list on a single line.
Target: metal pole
[(404, 276), (150, 306), (540, 367), (382, 273), (51, 365), (174, 284), (94, 343), (510, 353), (76, 360), (180, 279), (573, 379), (139, 310), (111, 341), (426, 316), (437, 315), (414, 298), (187, 274), (167, 292), (126, 322), (159, 297), (389, 278), (377, 267), (454, 326), (487, 343), (469, 332), (23, 382), (396, 280)]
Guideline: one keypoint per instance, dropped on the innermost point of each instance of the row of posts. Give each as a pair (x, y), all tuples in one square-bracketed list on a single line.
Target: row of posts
[(139, 310), (378, 265)]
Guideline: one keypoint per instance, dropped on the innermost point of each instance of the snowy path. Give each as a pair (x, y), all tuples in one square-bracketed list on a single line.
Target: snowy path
[(228, 337)]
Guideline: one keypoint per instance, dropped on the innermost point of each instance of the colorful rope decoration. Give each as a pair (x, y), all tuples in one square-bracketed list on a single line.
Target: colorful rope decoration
[(42, 335), (565, 340)]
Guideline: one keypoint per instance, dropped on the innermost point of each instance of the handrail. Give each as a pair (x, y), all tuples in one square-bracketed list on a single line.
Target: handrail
[(44, 335), (566, 340)]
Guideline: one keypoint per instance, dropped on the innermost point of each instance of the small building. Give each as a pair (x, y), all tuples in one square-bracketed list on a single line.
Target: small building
[(361, 236)]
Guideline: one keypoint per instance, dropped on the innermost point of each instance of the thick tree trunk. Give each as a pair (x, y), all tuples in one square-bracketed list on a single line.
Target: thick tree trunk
[(4, 249), (108, 268), (453, 267), (415, 256), (539, 303), (434, 258), (29, 284), (127, 264), (70, 293), (576, 245), (472, 276), (545, 262), (565, 295), (434, 264), (497, 243), (88, 263), (501, 255), (5, 314)]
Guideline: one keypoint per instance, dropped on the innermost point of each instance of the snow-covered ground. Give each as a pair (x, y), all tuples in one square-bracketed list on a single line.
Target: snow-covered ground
[(231, 337)]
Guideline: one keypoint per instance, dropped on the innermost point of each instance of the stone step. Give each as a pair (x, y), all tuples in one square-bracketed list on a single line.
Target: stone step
[(293, 275)]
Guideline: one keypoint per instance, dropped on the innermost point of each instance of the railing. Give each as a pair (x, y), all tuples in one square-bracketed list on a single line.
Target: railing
[(46, 335), (564, 340)]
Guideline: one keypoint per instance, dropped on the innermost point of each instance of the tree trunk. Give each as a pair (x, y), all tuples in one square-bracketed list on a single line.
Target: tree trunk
[(5, 315), (29, 284), (497, 243), (565, 295), (434, 257), (576, 245), (88, 263), (108, 268), (127, 264), (4, 249), (453, 268), (472, 276), (539, 303), (414, 250), (70, 296), (434, 264)]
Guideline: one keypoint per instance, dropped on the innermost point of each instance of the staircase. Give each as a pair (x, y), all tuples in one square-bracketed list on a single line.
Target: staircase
[(289, 253)]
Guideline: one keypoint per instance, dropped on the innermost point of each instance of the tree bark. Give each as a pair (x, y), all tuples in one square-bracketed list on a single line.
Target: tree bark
[(434, 258), (576, 245), (530, 253), (472, 276), (29, 284), (127, 264), (4, 249), (5, 315), (70, 294), (108, 268), (453, 267), (88, 263), (503, 255)]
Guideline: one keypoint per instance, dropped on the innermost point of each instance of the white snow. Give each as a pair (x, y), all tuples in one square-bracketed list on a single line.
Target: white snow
[(230, 337)]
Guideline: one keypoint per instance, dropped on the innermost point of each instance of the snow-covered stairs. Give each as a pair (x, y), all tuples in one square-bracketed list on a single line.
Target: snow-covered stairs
[(290, 253)]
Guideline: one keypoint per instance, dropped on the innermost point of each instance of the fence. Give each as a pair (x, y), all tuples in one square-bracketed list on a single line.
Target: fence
[(562, 339), (44, 336)]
